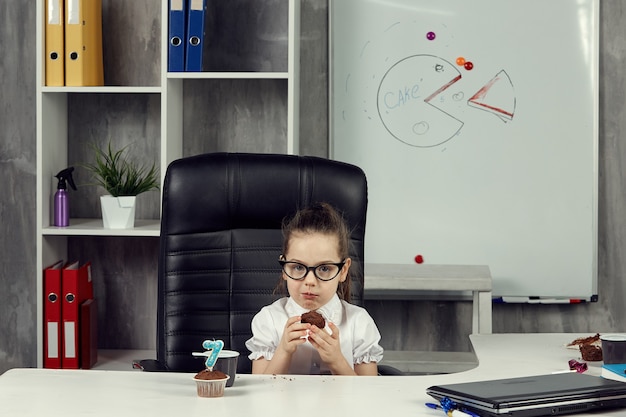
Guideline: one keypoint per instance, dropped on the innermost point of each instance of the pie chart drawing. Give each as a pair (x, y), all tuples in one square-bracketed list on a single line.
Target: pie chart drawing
[(496, 97), (406, 100), (414, 95)]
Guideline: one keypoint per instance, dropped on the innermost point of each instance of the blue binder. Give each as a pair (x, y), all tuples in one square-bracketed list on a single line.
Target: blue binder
[(196, 28), (177, 35)]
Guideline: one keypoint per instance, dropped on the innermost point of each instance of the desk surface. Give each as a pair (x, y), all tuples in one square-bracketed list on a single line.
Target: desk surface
[(44, 392)]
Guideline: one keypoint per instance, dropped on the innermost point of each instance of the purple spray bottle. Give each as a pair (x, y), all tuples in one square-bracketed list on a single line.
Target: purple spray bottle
[(61, 198)]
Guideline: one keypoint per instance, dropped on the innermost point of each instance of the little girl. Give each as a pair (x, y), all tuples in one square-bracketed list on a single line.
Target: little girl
[(316, 270)]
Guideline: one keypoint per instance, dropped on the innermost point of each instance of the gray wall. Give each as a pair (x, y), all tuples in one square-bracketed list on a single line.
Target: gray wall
[(126, 284)]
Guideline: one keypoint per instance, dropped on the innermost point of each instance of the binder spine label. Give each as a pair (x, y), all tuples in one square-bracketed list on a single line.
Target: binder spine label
[(53, 340), (69, 330), (176, 5), (54, 12), (73, 12)]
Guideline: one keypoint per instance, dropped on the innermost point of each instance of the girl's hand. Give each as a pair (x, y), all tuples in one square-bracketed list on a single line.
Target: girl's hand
[(294, 335), (329, 348)]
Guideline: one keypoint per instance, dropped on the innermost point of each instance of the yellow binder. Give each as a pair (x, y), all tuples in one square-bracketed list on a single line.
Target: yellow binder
[(83, 43), (55, 71)]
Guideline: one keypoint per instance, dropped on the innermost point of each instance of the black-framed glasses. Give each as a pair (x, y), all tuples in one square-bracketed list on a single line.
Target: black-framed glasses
[(323, 272)]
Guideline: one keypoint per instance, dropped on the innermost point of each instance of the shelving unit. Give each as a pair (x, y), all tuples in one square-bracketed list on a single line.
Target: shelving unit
[(169, 115)]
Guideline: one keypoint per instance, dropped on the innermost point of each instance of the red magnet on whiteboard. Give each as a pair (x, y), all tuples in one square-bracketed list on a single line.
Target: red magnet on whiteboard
[(468, 65), (460, 61), (431, 36), (419, 259)]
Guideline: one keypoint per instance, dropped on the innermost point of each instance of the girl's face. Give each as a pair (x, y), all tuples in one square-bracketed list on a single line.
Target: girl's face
[(312, 249)]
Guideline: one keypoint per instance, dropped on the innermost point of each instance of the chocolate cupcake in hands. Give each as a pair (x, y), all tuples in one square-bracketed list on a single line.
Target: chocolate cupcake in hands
[(313, 317)]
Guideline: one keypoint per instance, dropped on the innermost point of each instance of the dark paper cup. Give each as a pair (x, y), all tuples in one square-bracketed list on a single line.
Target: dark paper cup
[(613, 348), (227, 363)]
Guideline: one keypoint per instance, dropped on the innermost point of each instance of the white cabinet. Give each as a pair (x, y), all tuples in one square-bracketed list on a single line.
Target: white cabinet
[(255, 55)]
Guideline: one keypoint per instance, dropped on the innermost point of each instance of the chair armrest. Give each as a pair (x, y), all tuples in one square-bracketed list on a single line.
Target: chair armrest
[(149, 365), (389, 370)]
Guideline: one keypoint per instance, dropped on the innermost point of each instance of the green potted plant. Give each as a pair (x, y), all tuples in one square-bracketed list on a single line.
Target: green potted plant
[(123, 178)]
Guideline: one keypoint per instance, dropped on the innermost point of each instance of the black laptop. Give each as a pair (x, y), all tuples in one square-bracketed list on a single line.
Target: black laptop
[(542, 395)]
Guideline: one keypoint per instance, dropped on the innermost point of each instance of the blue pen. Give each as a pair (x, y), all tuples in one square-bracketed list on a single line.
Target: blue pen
[(452, 413)]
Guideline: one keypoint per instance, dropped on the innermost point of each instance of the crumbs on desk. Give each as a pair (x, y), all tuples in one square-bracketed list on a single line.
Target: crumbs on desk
[(274, 376)]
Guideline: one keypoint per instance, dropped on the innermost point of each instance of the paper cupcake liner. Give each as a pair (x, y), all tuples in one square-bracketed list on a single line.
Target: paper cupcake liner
[(211, 388)]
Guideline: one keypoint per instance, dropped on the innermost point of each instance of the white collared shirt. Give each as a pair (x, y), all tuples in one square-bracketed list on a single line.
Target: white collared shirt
[(357, 331)]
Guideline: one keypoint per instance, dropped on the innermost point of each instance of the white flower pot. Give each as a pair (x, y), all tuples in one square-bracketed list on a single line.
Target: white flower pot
[(118, 212)]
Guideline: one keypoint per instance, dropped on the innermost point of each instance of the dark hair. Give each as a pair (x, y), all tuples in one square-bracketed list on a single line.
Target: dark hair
[(321, 218)]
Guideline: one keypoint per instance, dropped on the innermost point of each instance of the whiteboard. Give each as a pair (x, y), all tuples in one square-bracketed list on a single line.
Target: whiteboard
[(476, 123)]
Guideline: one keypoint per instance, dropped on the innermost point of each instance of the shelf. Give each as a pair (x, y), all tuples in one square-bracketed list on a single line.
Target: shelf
[(229, 75), (248, 104), (103, 89), (93, 227)]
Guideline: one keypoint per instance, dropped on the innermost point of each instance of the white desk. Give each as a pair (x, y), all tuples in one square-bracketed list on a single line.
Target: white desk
[(67, 393), (401, 281)]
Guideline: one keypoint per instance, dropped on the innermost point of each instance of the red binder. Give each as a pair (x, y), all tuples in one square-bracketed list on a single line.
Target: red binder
[(52, 335), (77, 287), (88, 334)]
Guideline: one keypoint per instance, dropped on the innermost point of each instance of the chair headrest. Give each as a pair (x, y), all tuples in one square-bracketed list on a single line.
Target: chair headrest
[(217, 191)]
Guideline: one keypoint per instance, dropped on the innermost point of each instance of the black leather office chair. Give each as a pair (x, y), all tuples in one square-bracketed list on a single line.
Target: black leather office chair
[(221, 239)]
